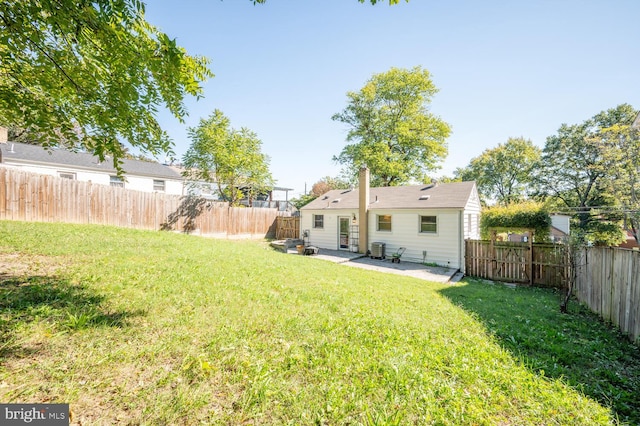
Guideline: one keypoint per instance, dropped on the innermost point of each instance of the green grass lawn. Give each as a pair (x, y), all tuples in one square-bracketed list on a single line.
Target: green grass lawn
[(137, 327)]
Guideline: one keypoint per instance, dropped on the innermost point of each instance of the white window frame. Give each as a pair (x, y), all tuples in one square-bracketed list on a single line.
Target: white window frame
[(159, 185), (116, 181), (420, 223), (67, 175), (378, 222), (315, 221)]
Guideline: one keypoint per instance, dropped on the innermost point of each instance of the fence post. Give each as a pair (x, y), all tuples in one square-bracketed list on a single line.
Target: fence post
[(492, 254), (530, 260)]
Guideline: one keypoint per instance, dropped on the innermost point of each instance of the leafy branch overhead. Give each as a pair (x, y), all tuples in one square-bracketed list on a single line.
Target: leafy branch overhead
[(92, 74)]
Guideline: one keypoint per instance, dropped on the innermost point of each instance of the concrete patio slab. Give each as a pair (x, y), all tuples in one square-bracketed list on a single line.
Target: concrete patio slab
[(357, 260)]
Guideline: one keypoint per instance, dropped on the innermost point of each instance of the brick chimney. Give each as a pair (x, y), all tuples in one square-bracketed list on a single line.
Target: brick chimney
[(363, 210)]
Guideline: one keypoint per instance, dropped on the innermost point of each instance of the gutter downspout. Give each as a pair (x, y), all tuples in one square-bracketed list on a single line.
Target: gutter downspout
[(461, 241), (363, 210)]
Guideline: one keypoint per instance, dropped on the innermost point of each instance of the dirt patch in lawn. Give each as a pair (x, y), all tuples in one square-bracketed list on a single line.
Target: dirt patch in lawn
[(19, 265)]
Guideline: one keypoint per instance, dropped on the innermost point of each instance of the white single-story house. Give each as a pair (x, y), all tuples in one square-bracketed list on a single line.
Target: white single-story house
[(430, 221), (139, 175)]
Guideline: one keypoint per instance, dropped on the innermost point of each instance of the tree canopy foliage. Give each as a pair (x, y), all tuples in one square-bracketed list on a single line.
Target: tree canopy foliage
[(503, 173), (231, 159), (92, 74), (623, 143), (391, 129), (326, 184), (580, 166)]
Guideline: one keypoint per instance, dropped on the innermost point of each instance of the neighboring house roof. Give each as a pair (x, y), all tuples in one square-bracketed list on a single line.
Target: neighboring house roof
[(37, 155), (636, 122), (440, 196)]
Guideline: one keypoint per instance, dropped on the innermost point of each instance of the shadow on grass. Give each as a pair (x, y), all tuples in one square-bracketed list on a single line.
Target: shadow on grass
[(52, 300), (576, 347)]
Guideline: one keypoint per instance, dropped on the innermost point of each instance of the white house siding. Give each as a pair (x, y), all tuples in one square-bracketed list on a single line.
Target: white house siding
[(81, 175), (472, 217), (137, 183), (143, 183), (442, 248), (326, 237)]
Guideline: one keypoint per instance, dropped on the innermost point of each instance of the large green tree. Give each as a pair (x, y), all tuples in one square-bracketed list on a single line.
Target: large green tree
[(391, 129), (503, 173), (229, 158), (92, 74), (578, 168)]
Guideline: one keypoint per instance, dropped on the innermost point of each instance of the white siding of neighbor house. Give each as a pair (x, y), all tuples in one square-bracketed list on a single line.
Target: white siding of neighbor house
[(83, 176), (472, 217), (442, 247), (326, 237), (138, 183), (143, 183)]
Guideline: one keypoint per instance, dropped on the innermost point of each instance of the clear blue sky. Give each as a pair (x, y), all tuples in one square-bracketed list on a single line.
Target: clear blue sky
[(504, 68)]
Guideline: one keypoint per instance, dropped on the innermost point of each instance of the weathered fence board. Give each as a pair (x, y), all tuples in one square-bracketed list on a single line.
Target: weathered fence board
[(542, 264), (34, 197), (608, 282)]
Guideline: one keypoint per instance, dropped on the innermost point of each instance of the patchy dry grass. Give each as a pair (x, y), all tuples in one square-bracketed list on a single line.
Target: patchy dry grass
[(156, 328)]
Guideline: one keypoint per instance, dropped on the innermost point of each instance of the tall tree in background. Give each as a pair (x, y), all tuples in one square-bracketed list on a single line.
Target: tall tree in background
[(624, 150), (503, 173), (391, 129), (326, 184), (229, 158), (92, 73), (578, 168)]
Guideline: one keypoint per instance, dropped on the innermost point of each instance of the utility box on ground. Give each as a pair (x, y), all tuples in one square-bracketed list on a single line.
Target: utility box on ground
[(377, 250)]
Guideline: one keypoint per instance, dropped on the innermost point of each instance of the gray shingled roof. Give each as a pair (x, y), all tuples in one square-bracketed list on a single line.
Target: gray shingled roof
[(34, 154), (441, 196)]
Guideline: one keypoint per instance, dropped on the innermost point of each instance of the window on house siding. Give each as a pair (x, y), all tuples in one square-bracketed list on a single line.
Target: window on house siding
[(67, 175), (158, 185), (318, 221), (384, 222), (429, 224), (116, 181)]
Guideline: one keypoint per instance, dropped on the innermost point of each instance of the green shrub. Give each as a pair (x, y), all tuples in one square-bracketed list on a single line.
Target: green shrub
[(516, 217)]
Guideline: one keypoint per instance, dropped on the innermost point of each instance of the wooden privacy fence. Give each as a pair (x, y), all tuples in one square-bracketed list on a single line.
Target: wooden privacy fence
[(535, 264), (606, 279), (288, 227), (42, 198), (608, 282)]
